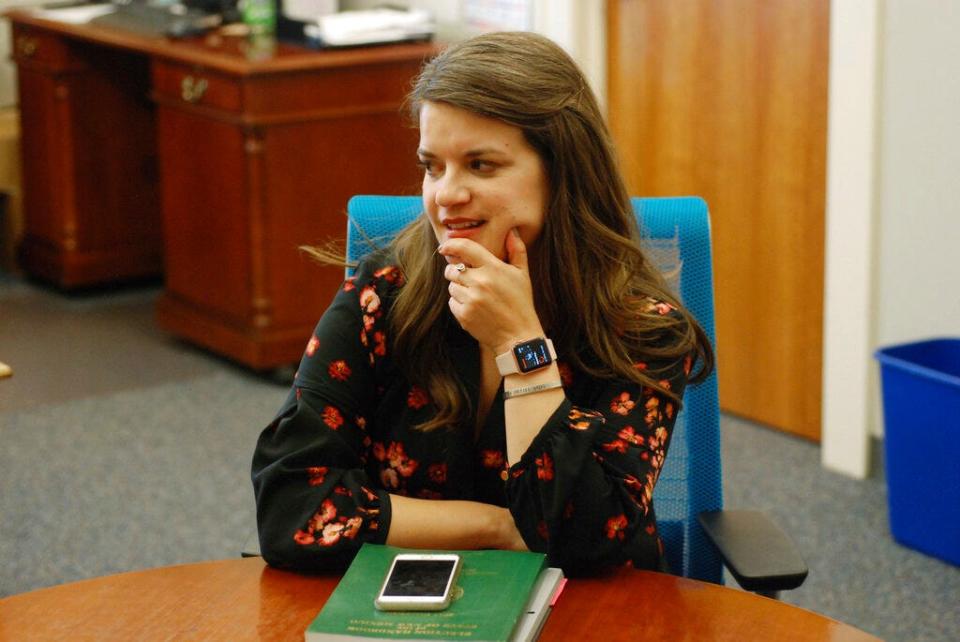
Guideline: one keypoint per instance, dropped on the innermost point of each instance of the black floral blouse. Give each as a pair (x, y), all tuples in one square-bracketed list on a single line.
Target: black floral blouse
[(344, 440)]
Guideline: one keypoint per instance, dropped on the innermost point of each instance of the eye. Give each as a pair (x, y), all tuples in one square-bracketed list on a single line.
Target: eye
[(481, 165), (429, 166)]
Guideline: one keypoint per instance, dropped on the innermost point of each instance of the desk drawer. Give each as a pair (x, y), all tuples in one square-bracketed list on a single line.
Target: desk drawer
[(196, 86), (40, 47)]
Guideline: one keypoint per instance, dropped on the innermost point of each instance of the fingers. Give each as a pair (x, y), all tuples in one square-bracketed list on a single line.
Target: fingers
[(455, 273), (516, 250), (466, 251)]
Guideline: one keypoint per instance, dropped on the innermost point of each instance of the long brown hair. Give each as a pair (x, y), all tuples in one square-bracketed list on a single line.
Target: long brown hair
[(594, 283)]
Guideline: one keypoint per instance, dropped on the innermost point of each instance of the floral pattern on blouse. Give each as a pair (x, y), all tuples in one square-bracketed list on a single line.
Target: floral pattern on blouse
[(344, 441)]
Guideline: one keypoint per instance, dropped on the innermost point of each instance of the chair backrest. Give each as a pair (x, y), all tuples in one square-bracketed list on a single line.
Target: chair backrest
[(676, 236)]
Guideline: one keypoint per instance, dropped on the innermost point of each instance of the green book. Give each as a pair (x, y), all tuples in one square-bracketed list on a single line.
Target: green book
[(496, 594)]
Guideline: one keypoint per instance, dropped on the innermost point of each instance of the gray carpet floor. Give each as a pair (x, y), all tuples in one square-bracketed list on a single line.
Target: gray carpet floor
[(125, 449)]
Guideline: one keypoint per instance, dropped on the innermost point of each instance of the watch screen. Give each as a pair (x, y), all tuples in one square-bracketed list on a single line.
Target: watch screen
[(532, 355)]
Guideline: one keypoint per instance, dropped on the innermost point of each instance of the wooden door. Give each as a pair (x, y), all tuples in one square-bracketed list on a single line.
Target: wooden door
[(727, 99)]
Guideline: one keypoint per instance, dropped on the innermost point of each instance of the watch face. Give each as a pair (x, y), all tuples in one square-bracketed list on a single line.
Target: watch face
[(532, 355)]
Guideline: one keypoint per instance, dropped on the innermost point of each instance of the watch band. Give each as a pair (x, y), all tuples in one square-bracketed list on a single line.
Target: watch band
[(529, 390), (508, 362)]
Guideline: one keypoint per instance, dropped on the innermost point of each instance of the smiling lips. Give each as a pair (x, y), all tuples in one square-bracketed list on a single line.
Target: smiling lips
[(461, 227)]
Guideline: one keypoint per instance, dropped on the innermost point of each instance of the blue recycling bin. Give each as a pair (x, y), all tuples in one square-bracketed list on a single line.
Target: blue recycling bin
[(921, 412)]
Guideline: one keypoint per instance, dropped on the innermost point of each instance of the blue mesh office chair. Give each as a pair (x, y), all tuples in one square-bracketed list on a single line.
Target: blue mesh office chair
[(696, 532)]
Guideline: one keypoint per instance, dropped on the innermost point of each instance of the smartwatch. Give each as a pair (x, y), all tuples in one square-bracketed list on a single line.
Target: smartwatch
[(527, 356)]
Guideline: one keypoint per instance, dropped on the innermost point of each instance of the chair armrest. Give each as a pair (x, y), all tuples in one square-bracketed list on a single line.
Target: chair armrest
[(758, 553)]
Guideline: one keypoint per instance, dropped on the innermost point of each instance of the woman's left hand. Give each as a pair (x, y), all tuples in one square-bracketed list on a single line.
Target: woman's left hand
[(492, 299)]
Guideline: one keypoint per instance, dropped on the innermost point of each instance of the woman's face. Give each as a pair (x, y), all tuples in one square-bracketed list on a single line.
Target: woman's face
[(481, 178)]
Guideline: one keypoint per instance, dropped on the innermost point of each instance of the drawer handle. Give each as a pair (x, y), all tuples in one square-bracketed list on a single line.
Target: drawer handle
[(26, 46), (192, 89)]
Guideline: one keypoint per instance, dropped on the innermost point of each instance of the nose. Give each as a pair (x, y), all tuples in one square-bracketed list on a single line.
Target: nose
[(451, 191)]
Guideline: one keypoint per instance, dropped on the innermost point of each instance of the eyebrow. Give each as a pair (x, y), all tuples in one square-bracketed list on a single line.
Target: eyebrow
[(470, 154)]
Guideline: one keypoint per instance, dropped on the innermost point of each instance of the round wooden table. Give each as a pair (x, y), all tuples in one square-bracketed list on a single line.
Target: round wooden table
[(243, 599)]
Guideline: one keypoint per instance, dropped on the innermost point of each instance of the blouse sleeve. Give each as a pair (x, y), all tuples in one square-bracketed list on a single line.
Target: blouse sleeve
[(583, 490), (315, 502)]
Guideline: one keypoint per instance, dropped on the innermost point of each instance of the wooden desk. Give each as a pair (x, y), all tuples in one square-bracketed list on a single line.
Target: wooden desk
[(238, 155), (245, 600)]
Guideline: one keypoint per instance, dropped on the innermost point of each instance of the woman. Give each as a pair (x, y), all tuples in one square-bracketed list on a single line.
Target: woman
[(507, 372)]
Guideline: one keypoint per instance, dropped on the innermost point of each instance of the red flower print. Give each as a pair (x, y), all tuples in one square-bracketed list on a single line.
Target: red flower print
[(542, 530), (331, 534), (316, 523), (579, 419), (303, 538), (492, 458), (616, 527), (566, 373), (389, 478), (544, 467), (640, 365), (630, 436), (617, 445), (316, 475), (407, 467), (652, 410), (380, 343), (668, 410), (299, 394), (352, 527), (637, 492), (622, 404), (417, 398), (399, 461), (687, 365), (661, 307), (327, 511), (368, 321), (438, 473), (348, 284), (664, 383), (339, 370), (332, 417), (658, 439), (390, 273), (369, 300), (362, 425), (342, 490), (312, 346), (648, 488)]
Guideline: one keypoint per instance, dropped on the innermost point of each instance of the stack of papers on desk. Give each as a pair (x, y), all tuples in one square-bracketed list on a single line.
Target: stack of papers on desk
[(369, 27), (75, 15)]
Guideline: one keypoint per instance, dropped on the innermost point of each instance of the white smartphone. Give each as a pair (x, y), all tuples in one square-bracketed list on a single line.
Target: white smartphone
[(419, 582)]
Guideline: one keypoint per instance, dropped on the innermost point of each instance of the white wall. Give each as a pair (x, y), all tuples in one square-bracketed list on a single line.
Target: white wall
[(8, 78), (919, 205), (893, 202)]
